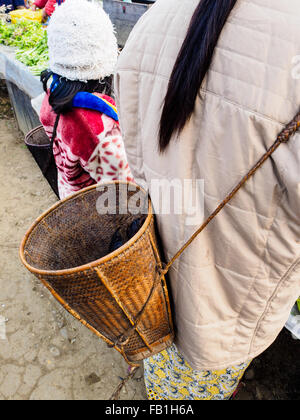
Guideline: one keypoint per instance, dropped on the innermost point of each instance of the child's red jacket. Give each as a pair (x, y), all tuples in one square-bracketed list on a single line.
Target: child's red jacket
[(88, 148)]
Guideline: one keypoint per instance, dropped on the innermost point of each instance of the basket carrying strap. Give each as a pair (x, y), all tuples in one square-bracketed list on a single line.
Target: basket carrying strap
[(162, 269), (283, 137), (51, 158)]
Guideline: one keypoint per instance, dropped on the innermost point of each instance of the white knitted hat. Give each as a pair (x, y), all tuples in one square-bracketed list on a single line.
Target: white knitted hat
[(81, 40)]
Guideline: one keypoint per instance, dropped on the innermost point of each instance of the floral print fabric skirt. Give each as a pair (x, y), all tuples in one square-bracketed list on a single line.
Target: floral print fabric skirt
[(169, 377)]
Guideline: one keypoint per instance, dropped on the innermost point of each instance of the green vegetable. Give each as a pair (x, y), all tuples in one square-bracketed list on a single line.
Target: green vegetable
[(37, 57), (30, 38)]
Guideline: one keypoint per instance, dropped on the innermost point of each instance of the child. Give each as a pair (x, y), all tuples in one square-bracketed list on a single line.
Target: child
[(78, 110)]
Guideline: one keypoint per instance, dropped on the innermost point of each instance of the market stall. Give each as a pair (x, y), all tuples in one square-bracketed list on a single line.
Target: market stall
[(23, 55), (22, 86)]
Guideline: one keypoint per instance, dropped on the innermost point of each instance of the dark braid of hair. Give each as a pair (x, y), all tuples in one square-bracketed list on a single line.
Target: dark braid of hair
[(191, 66)]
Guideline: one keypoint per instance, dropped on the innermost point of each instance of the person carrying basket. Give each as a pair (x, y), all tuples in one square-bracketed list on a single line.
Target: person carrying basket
[(78, 112), (213, 83)]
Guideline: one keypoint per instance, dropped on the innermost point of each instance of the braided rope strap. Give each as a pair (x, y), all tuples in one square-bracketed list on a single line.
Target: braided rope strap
[(283, 137), (162, 270)]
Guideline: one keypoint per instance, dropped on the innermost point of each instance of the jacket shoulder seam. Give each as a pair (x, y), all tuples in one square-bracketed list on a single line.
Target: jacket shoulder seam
[(205, 90), (243, 108)]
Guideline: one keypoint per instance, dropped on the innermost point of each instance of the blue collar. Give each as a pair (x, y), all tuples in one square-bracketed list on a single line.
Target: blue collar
[(90, 101)]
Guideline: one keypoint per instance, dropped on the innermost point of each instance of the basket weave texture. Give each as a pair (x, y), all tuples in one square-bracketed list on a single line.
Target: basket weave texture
[(67, 249)]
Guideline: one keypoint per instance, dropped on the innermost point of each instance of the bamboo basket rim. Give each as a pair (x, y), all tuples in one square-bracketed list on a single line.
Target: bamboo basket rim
[(33, 131), (94, 263)]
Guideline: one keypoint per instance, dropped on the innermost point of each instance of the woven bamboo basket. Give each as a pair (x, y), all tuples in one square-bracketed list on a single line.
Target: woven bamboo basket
[(121, 295)]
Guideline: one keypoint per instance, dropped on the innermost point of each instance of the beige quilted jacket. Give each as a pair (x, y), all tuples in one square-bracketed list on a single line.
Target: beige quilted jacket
[(234, 287)]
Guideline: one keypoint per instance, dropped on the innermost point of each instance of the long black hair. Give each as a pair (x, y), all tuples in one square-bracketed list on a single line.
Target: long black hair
[(62, 96), (191, 66)]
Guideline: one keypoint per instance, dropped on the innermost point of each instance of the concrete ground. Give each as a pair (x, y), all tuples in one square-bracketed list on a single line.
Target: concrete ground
[(45, 354)]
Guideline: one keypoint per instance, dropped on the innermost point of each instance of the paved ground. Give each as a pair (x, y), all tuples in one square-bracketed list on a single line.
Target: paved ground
[(45, 353)]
